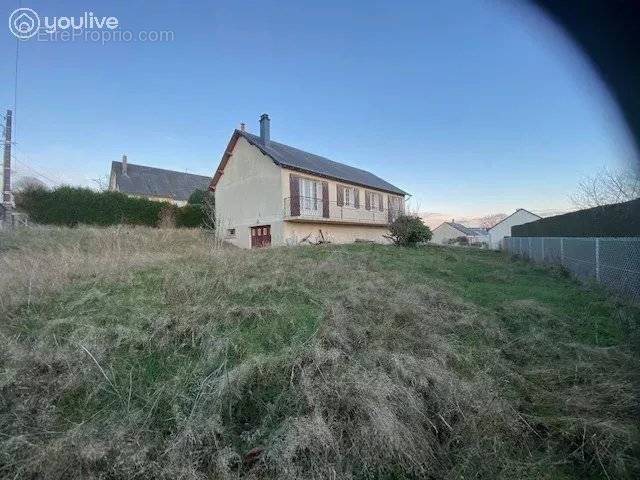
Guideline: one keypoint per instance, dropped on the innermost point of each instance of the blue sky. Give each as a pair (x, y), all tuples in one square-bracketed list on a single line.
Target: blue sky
[(472, 106)]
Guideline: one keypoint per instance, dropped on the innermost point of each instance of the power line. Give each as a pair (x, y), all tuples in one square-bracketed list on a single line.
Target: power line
[(52, 178), (29, 159), (37, 173), (49, 176)]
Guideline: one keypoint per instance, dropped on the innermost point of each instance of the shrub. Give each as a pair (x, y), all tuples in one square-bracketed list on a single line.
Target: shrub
[(70, 206), (199, 211), (190, 216), (197, 197), (408, 230)]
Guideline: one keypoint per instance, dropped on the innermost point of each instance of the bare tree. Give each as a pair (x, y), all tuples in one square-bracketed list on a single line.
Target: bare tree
[(102, 182), (606, 187), (489, 221)]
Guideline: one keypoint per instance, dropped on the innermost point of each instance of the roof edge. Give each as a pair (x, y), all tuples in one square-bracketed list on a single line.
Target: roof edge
[(239, 133), (117, 162), (451, 225), (341, 180), (509, 216)]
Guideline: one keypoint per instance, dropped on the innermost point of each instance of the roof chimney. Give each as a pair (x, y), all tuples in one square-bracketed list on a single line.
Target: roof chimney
[(242, 127), (124, 164), (265, 129)]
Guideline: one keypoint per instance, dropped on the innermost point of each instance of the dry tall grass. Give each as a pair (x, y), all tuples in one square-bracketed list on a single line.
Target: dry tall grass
[(40, 260), (145, 354)]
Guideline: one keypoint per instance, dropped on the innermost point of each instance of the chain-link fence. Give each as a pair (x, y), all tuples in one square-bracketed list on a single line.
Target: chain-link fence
[(614, 262)]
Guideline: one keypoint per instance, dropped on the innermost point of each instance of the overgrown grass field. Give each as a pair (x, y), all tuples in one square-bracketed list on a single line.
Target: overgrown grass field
[(145, 353)]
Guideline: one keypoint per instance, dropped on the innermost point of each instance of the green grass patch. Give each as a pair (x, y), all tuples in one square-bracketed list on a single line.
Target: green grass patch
[(358, 361)]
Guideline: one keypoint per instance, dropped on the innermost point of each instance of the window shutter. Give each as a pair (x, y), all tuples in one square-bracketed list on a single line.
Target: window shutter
[(356, 197), (294, 195), (380, 202), (325, 199), (367, 200), (340, 195), (389, 209)]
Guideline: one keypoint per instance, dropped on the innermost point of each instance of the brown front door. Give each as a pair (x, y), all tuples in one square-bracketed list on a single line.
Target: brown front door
[(261, 236)]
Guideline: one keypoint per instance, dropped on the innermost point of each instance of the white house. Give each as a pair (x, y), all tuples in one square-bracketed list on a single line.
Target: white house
[(269, 193), (447, 232), (503, 228)]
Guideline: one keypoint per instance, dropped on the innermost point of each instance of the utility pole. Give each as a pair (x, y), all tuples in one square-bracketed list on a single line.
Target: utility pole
[(6, 177)]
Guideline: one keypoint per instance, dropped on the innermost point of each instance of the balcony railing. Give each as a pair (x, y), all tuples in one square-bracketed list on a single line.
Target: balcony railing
[(308, 209)]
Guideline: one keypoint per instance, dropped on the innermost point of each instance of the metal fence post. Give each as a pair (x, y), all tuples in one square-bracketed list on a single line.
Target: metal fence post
[(598, 259)]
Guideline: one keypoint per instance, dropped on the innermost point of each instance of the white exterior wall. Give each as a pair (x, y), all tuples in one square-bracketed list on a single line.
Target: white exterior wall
[(478, 239), (294, 232), (178, 203), (249, 194), (503, 229), (445, 232)]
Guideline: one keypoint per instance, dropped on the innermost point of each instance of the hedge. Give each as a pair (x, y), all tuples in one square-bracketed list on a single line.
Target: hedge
[(71, 206), (617, 220), (189, 216)]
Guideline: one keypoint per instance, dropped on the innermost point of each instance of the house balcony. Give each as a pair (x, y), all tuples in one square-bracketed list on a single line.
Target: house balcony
[(315, 210)]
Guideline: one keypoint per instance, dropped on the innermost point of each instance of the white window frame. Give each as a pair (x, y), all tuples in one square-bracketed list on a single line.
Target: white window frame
[(349, 196), (310, 197), (373, 201)]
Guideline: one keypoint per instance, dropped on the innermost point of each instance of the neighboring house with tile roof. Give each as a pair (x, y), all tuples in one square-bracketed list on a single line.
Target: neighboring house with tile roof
[(448, 232), (155, 183), (269, 193)]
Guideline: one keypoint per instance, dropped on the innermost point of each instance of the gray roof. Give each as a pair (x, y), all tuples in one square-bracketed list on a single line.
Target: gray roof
[(157, 182), (290, 157), (471, 231)]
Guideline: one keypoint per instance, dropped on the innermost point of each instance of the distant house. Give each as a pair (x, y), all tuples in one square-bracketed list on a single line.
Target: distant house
[(448, 232), (155, 183), (269, 193), (503, 228)]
